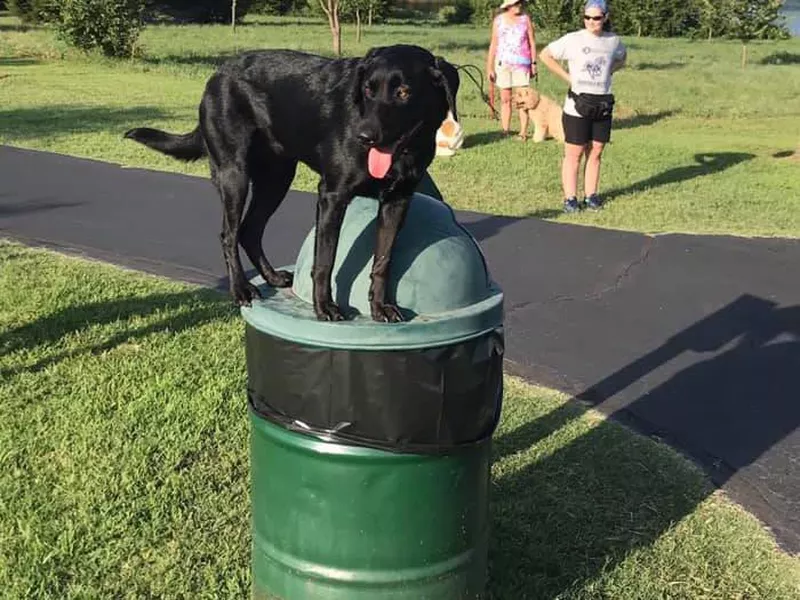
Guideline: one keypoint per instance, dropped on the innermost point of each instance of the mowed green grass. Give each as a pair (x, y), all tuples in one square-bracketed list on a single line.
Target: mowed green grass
[(700, 144), (124, 464)]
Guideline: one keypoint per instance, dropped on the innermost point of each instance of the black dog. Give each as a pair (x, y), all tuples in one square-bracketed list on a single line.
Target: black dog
[(366, 125)]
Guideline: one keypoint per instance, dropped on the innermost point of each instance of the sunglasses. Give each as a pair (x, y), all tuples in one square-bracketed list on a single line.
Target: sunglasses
[(591, 18)]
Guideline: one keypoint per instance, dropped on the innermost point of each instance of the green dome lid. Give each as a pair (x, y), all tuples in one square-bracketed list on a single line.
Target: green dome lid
[(438, 278)]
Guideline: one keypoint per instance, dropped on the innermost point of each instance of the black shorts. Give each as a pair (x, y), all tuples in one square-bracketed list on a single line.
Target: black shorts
[(578, 130)]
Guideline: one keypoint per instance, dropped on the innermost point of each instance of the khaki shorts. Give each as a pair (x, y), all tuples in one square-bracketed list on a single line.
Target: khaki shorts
[(511, 78)]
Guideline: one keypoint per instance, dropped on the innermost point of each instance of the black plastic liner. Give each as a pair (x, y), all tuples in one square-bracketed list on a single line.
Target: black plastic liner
[(429, 401)]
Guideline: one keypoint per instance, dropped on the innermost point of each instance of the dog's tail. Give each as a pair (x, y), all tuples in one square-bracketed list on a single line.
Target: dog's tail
[(188, 146)]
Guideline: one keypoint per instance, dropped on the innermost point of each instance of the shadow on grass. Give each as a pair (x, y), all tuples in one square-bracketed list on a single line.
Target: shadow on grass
[(652, 66), (473, 140), (212, 61), (65, 119), (175, 312), (9, 61), (704, 164), (19, 27), (642, 120), (781, 58), (464, 46), (562, 520)]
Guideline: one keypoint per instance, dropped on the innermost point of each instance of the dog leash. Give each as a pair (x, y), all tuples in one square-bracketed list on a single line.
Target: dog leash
[(486, 99)]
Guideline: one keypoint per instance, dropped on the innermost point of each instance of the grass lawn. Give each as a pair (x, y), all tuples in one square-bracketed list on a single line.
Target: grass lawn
[(123, 423), (700, 145), (124, 464)]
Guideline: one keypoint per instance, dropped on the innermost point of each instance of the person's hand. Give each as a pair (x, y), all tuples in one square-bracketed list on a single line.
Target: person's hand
[(533, 70)]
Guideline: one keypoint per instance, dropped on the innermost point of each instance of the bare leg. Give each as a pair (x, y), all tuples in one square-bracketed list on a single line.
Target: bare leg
[(569, 169), (505, 109)]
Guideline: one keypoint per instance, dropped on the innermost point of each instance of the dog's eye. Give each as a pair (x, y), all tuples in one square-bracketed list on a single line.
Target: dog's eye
[(403, 92)]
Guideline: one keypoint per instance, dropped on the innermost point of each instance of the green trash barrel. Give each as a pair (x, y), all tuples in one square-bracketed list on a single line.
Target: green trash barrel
[(370, 442)]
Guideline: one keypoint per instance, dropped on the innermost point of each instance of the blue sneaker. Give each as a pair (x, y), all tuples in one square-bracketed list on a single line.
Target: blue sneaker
[(594, 202), (571, 205)]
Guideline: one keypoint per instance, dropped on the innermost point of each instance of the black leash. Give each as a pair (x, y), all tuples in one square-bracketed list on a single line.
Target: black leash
[(483, 94)]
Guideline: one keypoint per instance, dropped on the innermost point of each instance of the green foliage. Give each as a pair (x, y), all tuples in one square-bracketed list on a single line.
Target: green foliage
[(456, 14), (277, 7), (379, 8), (754, 19), (110, 26), (34, 11), (653, 18), (483, 11), (202, 11), (347, 10), (555, 15)]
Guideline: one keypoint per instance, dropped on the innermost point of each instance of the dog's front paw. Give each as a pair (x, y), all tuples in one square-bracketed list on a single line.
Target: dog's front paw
[(328, 311), (244, 293), (386, 313), (281, 279)]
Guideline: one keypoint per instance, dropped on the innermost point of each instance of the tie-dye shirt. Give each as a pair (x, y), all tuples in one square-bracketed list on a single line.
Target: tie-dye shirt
[(513, 45)]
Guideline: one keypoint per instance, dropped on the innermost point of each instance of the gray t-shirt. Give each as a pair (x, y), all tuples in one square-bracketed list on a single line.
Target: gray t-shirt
[(589, 58)]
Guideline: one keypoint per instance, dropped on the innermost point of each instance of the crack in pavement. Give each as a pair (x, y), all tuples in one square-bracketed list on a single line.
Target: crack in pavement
[(623, 274)]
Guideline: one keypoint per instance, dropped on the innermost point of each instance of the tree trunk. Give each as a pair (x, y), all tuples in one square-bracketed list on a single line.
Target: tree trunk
[(358, 25), (369, 16), (744, 55), (336, 30), (233, 16), (331, 9)]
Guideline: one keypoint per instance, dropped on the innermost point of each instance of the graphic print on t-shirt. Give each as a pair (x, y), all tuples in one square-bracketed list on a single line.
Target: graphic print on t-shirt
[(594, 68)]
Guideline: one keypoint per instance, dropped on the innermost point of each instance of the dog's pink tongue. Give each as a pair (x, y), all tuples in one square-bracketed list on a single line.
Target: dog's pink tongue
[(379, 163)]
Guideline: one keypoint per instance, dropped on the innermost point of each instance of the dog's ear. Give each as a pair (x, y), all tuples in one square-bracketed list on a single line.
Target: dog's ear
[(445, 76), (373, 52), (535, 97), (358, 85), (361, 69)]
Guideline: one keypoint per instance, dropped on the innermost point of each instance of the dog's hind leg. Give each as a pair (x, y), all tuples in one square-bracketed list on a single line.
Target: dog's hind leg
[(540, 130), (271, 180), (232, 183)]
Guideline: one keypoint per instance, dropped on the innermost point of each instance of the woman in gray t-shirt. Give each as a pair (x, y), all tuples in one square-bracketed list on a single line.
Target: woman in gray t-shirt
[(592, 55)]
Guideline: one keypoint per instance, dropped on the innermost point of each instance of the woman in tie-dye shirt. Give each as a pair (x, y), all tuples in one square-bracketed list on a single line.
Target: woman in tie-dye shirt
[(512, 58)]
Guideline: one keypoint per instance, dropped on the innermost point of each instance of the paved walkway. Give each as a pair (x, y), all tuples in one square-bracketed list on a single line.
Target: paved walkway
[(692, 338)]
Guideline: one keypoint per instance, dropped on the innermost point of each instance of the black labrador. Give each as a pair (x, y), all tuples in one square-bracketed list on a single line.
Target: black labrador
[(366, 125)]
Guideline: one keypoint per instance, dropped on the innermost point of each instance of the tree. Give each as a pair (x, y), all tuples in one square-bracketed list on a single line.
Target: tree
[(753, 19), (109, 26), (34, 11), (357, 9), (642, 14), (331, 9), (709, 14), (553, 15), (377, 9), (202, 11)]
